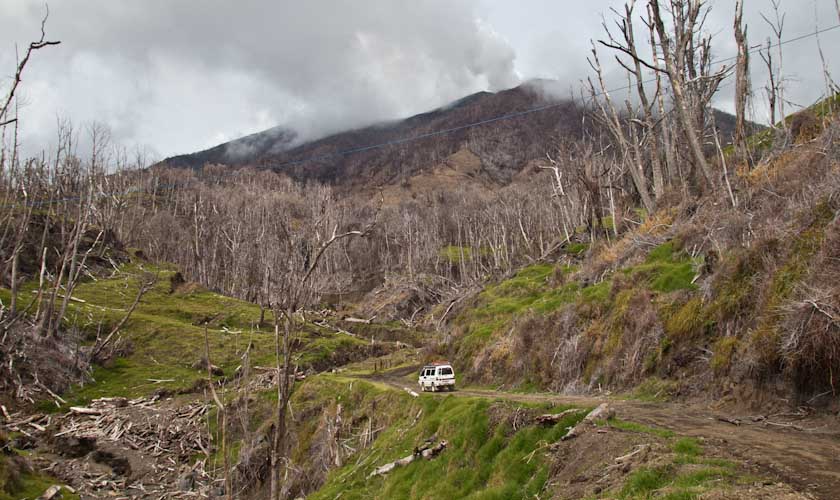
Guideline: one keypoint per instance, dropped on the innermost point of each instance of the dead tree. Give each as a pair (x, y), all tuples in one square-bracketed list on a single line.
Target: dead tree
[(146, 284), (627, 45), (294, 271), (772, 87), (222, 414), (742, 84), (33, 46), (666, 131), (634, 163), (777, 25), (687, 65)]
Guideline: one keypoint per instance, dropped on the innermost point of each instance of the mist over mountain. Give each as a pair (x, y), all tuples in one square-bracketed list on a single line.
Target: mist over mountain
[(389, 152)]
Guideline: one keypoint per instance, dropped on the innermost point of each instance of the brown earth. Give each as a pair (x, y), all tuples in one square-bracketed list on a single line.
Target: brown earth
[(796, 448)]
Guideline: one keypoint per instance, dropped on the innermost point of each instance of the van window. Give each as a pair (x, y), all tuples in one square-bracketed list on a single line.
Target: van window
[(445, 370)]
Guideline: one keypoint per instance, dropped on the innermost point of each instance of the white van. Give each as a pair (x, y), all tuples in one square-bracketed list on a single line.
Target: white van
[(437, 377)]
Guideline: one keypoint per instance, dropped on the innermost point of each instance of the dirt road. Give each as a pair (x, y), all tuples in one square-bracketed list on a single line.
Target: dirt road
[(804, 453)]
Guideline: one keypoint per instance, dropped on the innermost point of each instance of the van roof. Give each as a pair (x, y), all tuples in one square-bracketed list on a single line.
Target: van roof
[(437, 363)]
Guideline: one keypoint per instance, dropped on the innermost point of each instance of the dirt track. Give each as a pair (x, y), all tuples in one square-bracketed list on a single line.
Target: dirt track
[(807, 459)]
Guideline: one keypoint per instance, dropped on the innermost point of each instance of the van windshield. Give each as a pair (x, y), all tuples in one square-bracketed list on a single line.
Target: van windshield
[(445, 370)]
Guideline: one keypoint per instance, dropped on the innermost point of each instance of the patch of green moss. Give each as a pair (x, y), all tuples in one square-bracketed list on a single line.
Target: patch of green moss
[(16, 484), (166, 332), (666, 270), (736, 290), (598, 293), (576, 248), (455, 254)]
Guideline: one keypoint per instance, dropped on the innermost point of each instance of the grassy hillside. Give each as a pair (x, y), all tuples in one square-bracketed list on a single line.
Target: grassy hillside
[(165, 334), (511, 331), (495, 450), (700, 294)]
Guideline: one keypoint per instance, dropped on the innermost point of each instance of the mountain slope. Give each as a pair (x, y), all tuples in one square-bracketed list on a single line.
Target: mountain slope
[(503, 146)]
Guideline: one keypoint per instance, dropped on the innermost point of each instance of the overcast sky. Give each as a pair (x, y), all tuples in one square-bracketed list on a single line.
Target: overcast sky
[(176, 76)]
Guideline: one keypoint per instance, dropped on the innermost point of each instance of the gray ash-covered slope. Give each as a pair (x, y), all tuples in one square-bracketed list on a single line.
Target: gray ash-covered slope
[(503, 146)]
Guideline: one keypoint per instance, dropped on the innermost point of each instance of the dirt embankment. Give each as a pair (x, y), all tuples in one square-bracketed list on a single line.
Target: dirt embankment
[(797, 448)]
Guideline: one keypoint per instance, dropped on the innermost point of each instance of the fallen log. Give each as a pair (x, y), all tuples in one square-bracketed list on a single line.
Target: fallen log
[(52, 492), (602, 412), (424, 452), (80, 410), (640, 450), (553, 418), (733, 421), (357, 320)]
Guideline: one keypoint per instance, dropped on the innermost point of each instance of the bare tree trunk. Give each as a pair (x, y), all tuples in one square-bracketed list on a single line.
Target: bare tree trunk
[(144, 287), (675, 63), (628, 46), (741, 82), (777, 25), (670, 159), (608, 110), (283, 386), (220, 406), (772, 87)]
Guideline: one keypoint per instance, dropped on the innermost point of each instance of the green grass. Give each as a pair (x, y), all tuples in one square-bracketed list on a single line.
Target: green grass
[(643, 482), (688, 447), (455, 254), (166, 333), (577, 248), (686, 476), (674, 482), (15, 485), (603, 307), (482, 460), (666, 270), (529, 291), (701, 476)]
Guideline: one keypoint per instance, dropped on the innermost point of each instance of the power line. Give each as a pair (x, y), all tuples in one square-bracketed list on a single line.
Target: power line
[(529, 111), (450, 130)]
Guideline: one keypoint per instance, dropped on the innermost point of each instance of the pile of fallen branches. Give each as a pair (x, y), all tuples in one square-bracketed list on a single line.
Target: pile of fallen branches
[(140, 424), (121, 446)]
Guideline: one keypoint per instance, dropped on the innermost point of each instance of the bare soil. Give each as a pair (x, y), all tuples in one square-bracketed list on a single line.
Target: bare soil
[(798, 449)]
